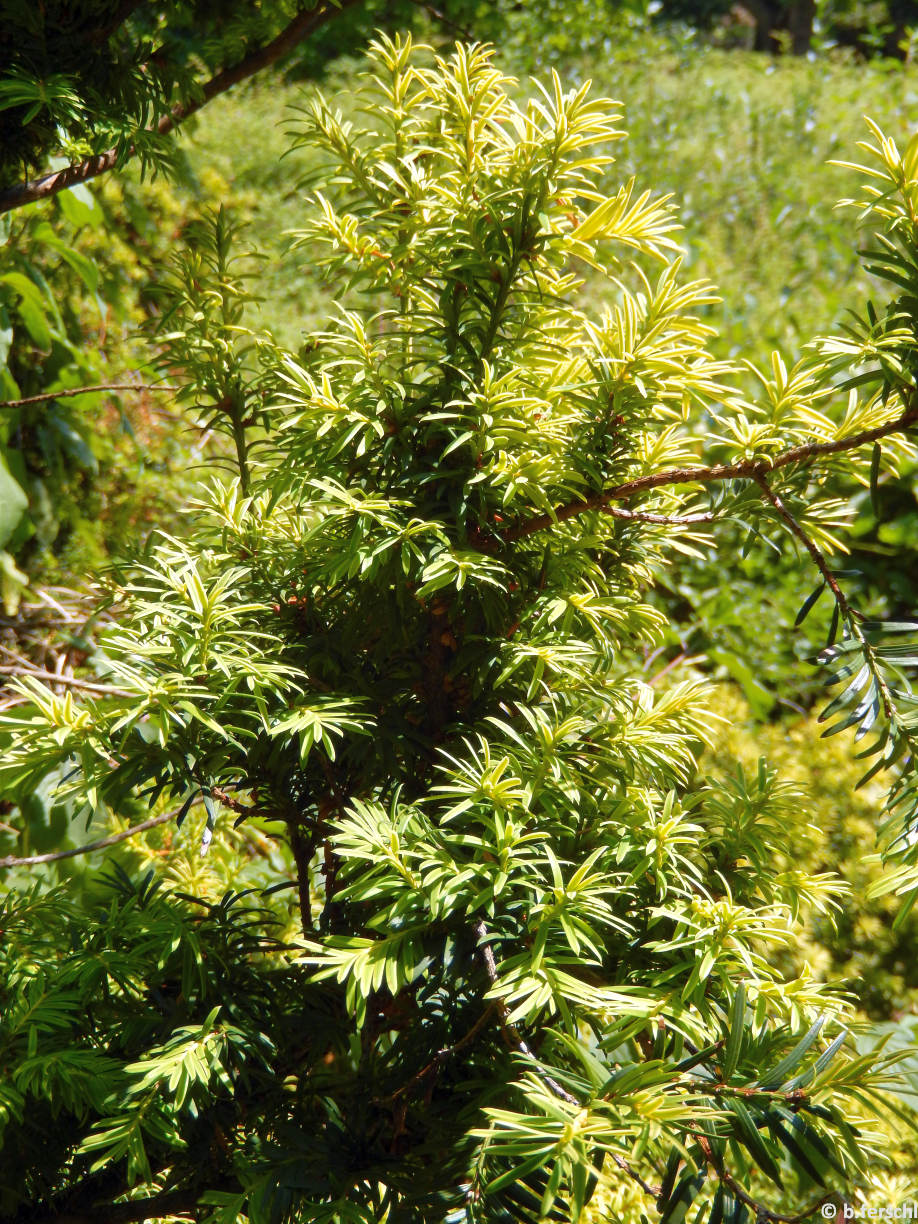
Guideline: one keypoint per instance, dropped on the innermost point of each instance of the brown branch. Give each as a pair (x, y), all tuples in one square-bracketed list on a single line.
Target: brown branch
[(621, 1163), (653, 1191), (683, 657), (844, 608), (34, 860), (512, 1036), (69, 681), (511, 1032), (329, 870), (762, 1213), (229, 802), (446, 1052), (744, 469), (794, 1096), (669, 520), (463, 31), (766, 1213), (305, 23), (71, 391), (302, 849), (819, 558)]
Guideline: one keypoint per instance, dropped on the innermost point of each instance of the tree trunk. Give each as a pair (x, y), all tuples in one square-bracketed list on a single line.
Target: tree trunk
[(782, 26), (800, 24)]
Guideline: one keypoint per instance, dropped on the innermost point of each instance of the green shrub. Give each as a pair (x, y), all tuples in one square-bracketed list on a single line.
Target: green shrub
[(408, 637)]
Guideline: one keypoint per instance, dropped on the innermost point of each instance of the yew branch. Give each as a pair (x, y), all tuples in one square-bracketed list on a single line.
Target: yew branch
[(303, 24), (77, 682), (744, 469), (69, 392), (34, 860), (808, 543)]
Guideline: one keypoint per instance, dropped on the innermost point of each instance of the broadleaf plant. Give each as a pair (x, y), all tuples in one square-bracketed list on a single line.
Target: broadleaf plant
[(538, 953)]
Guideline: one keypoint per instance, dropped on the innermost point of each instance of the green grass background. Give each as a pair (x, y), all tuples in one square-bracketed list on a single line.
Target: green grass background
[(742, 141)]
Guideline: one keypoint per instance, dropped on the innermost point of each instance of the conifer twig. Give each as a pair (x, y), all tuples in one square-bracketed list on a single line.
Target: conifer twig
[(33, 860), (511, 1032), (766, 1213), (744, 469), (808, 543), (669, 520), (39, 673), (446, 1052), (306, 22), (69, 392)]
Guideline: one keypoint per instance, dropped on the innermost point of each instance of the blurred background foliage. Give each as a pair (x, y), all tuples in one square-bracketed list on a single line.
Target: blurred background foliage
[(741, 140)]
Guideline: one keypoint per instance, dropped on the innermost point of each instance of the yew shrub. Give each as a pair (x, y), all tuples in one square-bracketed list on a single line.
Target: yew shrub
[(538, 953)]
